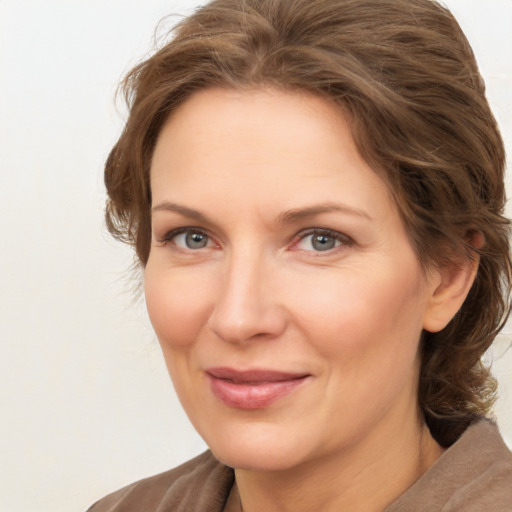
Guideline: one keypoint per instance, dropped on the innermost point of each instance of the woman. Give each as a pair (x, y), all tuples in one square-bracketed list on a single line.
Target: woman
[(315, 193)]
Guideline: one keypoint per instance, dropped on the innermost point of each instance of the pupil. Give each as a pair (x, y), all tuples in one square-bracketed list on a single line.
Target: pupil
[(323, 242), (196, 240)]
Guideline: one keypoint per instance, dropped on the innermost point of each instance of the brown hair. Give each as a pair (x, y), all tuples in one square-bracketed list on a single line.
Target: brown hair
[(406, 76)]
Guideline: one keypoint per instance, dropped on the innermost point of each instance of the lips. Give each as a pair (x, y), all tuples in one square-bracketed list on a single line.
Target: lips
[(252, 389)]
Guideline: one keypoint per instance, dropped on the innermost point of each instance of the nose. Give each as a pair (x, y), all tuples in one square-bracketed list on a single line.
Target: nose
[(246, 304)]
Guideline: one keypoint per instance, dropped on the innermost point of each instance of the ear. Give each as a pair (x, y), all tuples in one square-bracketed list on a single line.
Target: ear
[(450, 285)]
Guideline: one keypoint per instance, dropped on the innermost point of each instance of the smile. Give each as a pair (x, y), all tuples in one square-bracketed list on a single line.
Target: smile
[(253, 389)]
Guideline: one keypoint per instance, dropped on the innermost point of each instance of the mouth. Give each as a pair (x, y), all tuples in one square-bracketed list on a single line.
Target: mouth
[(252, 389)]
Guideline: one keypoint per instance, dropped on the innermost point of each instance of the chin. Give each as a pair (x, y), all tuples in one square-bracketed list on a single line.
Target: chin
[(254, 458), (263, 449)]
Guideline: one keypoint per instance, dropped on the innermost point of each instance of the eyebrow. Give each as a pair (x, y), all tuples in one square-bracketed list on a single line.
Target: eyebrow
[(167, 206), (298, 214), (287, 217)]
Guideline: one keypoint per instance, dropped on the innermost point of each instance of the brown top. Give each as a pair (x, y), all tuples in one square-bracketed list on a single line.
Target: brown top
[(473, 475)]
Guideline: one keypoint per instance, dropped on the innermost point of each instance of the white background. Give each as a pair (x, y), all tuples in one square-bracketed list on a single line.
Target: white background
[(86, 404)]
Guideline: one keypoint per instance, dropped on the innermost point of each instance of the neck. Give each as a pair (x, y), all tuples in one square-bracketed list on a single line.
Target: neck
[(366, 478)]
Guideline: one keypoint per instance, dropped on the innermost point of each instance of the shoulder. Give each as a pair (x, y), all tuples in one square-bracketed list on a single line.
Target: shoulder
[(474, 474), (201, 484)]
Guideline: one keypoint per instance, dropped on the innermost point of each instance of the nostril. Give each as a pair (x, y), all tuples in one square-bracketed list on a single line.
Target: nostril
[(243, 324), (246, 308)]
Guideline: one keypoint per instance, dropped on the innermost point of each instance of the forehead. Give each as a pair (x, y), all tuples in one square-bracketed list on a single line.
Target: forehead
[(283, 145)]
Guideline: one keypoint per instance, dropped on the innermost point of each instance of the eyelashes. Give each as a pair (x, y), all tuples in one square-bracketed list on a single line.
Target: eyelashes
[(188, 238), (321, 240), (314, 240)]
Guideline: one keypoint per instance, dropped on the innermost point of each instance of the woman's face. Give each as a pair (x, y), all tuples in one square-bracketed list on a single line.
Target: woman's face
[(281, 284)]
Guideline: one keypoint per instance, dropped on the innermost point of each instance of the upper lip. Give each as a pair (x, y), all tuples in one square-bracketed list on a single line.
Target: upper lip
[(253, 376)]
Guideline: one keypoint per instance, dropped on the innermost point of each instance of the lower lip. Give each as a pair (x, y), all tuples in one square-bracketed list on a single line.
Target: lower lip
[(252, 396)]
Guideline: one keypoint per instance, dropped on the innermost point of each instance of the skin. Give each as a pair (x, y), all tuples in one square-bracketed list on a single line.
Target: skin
[(253, 173)]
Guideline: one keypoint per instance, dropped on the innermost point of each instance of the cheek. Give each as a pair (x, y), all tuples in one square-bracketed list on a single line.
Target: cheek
[(356, 312), (178, 305)]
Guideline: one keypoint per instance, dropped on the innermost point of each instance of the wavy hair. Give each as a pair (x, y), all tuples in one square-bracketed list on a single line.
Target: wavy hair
[(405, 75)]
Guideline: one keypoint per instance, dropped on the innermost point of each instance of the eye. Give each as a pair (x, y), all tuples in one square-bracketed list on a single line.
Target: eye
[(188, 239), (192, 240), (321, 241)]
